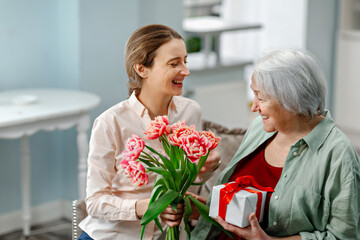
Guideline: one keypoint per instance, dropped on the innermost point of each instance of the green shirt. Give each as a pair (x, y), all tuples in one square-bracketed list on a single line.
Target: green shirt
[(317, 195)]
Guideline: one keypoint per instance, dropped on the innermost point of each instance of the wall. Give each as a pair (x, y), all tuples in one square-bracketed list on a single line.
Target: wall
[(322, 25), (30, 56), (76, 44)]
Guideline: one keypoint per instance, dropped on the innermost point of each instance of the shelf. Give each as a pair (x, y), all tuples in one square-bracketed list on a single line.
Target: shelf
[(210, 28), (198, 62)]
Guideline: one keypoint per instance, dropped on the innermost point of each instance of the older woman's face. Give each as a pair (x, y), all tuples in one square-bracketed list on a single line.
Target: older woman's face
[(274, 116)]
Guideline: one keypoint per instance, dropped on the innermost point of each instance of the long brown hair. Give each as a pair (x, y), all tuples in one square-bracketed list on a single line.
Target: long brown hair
[(141, 49)]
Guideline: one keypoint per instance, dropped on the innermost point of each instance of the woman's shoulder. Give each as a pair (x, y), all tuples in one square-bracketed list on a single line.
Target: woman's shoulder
[(119, 109), (184, 105), (340, 143)]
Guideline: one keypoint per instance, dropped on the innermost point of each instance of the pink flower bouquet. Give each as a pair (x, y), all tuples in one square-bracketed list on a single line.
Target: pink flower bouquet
[(186, 150)]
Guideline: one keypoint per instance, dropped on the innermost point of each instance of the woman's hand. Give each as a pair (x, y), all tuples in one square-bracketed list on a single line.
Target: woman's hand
[(212, 162), (171, 217), (195, 213), (254, 231), (141, 207)]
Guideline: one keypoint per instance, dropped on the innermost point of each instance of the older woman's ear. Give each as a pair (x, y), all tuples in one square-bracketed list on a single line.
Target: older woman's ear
[(141, 70)]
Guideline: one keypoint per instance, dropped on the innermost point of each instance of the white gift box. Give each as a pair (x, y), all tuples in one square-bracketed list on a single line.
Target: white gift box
[(241, 206)]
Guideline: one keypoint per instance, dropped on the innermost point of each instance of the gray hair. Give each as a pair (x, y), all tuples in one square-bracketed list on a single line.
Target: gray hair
[(295, 79)]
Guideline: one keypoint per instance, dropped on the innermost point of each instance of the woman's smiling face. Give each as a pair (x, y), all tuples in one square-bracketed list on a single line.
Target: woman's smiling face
[(169, 70), (274, 116)]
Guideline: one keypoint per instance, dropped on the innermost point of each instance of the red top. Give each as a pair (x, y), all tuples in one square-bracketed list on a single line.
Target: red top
[(264, 174)]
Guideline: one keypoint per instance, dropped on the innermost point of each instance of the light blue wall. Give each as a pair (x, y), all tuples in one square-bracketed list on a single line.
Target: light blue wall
[(75, 44), (29, 57)]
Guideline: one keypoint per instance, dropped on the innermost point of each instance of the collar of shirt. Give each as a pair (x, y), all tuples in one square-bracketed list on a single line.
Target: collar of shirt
[(141, 110), (319, 134)]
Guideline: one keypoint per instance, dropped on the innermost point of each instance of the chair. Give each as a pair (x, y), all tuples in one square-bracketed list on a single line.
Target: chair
[(230, 141), (78, 214)]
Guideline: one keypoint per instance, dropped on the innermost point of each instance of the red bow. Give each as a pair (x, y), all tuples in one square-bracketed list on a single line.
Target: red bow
[(241, 183)]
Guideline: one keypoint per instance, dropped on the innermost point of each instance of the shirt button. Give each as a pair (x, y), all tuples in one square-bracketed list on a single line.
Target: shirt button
[(274, 223), (295, 153), (276, 197), (285, 176)]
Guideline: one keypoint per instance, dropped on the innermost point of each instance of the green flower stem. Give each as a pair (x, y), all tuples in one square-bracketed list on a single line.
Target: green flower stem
[(172, 233), (153, 159)]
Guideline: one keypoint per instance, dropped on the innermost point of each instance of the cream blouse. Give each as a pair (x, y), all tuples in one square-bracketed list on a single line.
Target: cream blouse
[(110, 197)]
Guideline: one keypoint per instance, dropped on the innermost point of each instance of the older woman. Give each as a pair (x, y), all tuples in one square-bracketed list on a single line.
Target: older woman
[(295, 147), (155, 61)]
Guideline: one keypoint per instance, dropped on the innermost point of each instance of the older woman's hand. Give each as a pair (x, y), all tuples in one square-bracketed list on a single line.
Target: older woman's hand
[(195, 213), (212, 162), (254, 231), (171, 217)]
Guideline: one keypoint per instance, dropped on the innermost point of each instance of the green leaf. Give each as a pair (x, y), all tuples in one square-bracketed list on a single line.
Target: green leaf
[(156, 192), (174, 206), (142, 232), (192, 175), (166, 161), (158, 206), (182, 159), (165, 145), (184, 177), (158, 224), (174, 156), (202, 162), (148, 163), (163, 181), (204, 211), (188, 212), (161, 171)]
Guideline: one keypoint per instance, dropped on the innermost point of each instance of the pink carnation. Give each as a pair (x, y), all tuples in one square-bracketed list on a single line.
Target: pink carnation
[(157, 127), (136, 171), (211, 137), (134, 147), (195, 146), (179, 131)]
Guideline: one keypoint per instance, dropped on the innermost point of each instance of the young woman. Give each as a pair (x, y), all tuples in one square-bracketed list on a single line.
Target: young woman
[(155, 61)]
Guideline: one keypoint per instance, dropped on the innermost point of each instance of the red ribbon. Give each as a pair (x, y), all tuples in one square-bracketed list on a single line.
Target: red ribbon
[(241, 183)]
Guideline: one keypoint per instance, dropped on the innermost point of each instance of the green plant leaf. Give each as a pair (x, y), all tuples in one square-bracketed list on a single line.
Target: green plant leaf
[(204, 211), (148, 163), (168, 177), (188, 212), (174, 156), (158, 206), (165, 145), (202, 162), (158, 224), (173, 205), (166, 161), (163, 181), (152, 159), (156, 192), (161, 171), (142, 232), (192, 175), (184, 177)]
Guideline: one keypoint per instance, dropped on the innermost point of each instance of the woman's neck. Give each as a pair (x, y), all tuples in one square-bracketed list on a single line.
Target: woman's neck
[(156, 104), (300, 129)]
